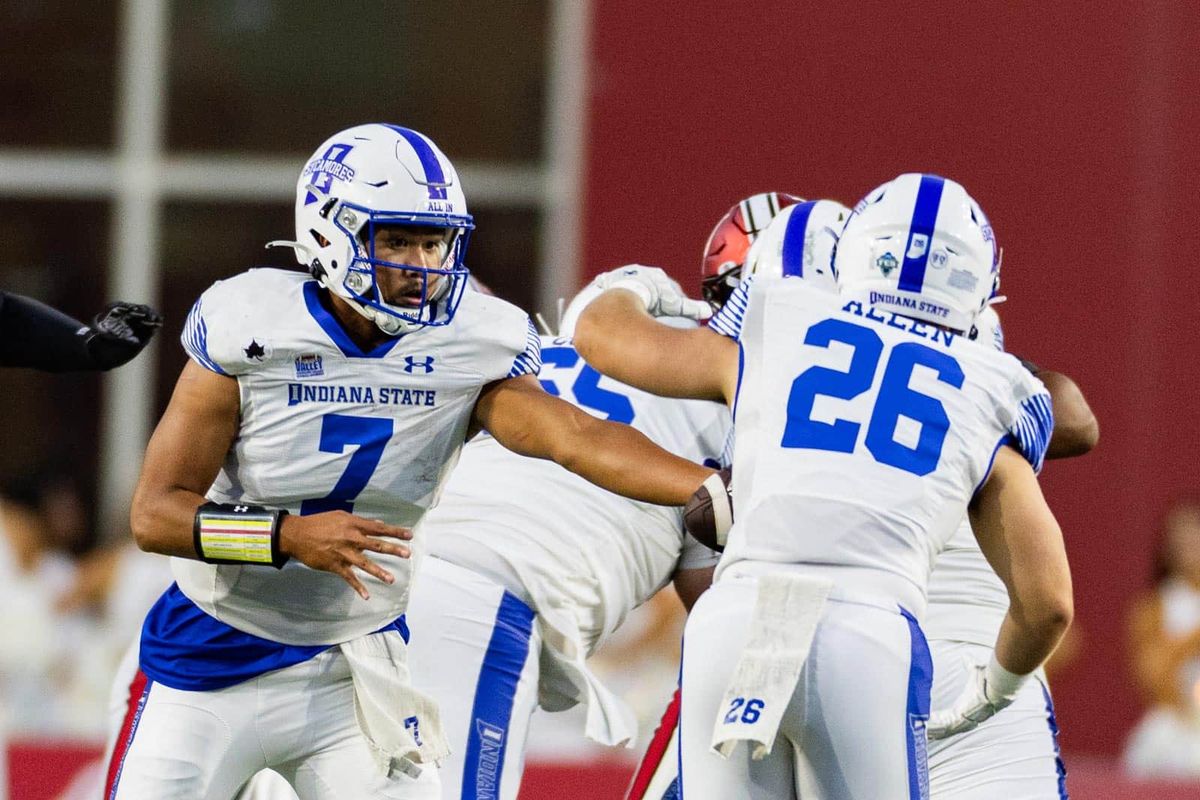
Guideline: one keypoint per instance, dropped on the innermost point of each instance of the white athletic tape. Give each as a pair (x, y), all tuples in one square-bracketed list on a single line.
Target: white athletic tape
[(721, 508)]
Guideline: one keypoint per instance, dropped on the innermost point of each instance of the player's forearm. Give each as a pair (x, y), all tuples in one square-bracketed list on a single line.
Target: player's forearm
[(606, 335), (620, 459), (1040, 610), (162, 520), (1028, 636), (35, 335), (617, 337), (1076, 430)]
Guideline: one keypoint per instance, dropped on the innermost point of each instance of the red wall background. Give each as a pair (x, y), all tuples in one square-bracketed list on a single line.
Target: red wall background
[(1072, 124)]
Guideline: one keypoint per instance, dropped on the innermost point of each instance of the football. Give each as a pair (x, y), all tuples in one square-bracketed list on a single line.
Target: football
[(708, 515)]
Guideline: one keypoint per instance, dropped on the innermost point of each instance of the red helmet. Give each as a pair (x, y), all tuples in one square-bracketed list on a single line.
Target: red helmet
[(721, 268)]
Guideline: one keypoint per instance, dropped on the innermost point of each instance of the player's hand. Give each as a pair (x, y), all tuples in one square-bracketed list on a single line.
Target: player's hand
[(119, 332), (337, 542), (990, 688), (660, 294)]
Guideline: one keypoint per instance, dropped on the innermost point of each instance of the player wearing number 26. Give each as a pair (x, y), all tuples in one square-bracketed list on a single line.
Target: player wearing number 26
[(867, 424), (311, 430)]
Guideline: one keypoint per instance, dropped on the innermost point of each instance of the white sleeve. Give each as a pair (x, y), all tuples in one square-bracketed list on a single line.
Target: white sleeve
[(1033, 427), (529, 360), (728, 321), (195, 338)]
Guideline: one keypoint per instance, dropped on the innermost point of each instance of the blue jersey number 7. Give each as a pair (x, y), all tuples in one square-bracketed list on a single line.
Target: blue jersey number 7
[(339, 431), (895, 399)]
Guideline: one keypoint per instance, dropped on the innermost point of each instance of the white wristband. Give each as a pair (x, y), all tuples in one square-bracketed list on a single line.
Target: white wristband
[(1001, 686), (722, 506)]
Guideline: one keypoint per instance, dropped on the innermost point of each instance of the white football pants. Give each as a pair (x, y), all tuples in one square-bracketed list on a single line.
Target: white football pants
[(298, 721), (474, 649), (1012, 756), (857, 715)]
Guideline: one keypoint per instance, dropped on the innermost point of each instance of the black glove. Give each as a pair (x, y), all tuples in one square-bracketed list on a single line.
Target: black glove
[(119, 332)]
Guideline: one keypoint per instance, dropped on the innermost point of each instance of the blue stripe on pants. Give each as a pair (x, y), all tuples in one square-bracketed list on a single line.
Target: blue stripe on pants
[(487, 740), (1058, 762), (920, 681)]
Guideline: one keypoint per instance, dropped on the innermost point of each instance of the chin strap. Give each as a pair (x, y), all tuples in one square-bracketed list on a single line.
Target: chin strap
[(300, 249), (392, 326)]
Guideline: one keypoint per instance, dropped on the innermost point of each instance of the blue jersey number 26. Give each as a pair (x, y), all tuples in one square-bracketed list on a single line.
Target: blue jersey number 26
[(895, 399)]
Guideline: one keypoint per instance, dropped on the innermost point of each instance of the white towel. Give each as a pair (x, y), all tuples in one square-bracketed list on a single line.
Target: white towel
[(402, 726), (785, 618), (566, 681)]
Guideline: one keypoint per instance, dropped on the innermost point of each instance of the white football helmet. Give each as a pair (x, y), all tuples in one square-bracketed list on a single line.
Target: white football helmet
[(800, 242), (987, 330), (920, 246), (372, 175)]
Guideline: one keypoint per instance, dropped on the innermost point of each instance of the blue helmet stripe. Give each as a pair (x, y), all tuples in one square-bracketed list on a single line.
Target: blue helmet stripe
[(920, 233), (429, 161), (793, 239)]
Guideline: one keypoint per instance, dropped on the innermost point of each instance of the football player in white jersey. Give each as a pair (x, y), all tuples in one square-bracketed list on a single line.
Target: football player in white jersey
[(757, 235), (1015, 756), (532, 568), (308, 435), (849, 478)]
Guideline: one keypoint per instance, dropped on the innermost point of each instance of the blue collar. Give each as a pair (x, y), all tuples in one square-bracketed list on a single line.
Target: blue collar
[(329, 323)]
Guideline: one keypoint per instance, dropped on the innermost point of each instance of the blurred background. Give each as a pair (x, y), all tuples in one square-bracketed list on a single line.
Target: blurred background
[(150, 147)]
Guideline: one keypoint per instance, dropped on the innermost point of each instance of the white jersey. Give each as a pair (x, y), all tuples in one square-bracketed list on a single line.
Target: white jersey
[(967, 600), (561, 543), (326, 426), (863, 435)]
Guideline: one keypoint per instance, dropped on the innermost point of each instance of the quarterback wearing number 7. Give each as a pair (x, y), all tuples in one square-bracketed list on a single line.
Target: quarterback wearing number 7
[(312, 428), (867, 424)]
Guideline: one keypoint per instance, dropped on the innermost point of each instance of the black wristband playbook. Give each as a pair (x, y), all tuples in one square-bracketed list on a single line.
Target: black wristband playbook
[(228, 533)]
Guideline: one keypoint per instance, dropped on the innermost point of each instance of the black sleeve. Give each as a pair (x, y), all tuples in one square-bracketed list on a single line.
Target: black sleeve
[(34, 335), (1029, 366)]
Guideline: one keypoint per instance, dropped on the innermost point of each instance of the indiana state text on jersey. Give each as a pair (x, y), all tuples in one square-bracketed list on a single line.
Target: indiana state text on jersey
[(360, 395)]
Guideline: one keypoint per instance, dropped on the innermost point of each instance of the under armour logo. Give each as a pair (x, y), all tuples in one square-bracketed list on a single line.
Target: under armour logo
[(411, 364), (240, 509)]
